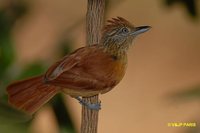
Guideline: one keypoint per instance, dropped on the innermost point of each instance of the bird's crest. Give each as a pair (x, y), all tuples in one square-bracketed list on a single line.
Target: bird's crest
[(117, 23)]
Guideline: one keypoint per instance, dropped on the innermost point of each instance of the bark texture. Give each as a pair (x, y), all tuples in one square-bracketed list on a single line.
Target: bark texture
[(94, 24)]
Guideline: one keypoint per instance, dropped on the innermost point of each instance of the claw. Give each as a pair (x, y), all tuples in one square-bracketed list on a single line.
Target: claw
[(92, 106)]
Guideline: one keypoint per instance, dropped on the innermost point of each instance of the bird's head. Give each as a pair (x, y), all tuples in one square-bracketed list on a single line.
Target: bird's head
[(119, 33)]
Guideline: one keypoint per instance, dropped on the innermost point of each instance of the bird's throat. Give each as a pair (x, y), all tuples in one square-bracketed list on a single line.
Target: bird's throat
[(115, 51)]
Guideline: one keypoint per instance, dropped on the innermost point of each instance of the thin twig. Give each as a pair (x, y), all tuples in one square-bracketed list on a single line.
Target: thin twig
[(94, 23)]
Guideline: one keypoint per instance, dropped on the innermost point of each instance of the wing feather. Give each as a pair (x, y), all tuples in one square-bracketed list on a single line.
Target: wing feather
[(87, 68)]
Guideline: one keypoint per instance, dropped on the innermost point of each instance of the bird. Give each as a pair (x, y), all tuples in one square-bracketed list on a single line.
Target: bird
[(88, 71)]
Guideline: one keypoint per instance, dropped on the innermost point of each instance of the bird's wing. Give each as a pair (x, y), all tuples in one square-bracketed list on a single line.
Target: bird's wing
[(85, 69), (65, 64)]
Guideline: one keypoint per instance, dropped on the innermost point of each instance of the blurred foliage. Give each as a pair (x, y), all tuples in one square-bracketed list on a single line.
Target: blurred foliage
[(9, 14), (9, 112), (62, 115), (12, 120), (188, 94), (193, 130), (65, 47), (35, 68), (191, 93), (190, 5)]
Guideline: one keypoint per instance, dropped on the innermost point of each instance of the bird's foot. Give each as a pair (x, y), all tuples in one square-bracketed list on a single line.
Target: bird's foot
[(92, 106)]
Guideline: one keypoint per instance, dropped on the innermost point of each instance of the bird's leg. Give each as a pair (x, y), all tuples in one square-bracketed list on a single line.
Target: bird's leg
[(93, 106)]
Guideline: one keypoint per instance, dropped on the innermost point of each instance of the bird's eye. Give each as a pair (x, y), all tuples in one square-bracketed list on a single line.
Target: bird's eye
[(125, 30)]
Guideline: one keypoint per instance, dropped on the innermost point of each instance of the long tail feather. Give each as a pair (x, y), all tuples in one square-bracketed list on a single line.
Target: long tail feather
[(29, 95)]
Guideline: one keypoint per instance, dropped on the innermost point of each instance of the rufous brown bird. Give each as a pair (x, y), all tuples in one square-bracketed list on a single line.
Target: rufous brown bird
[(87, 71)]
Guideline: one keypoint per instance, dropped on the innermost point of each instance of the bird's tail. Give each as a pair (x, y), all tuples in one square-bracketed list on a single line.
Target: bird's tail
[(29, 95)]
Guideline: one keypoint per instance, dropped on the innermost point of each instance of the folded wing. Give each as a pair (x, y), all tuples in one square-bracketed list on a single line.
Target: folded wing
[(88, 68)]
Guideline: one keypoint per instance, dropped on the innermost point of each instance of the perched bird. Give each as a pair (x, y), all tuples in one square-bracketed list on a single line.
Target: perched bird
[(87, 71)]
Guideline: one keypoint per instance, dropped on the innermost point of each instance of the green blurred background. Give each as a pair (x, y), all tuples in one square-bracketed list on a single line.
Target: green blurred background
[(162, 83)]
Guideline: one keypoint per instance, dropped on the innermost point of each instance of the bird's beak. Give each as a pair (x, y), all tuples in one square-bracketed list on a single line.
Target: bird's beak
[(139, 30)]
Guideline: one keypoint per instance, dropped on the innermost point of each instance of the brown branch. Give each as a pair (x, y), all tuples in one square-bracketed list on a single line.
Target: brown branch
[(89, 121), (94, 23)]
